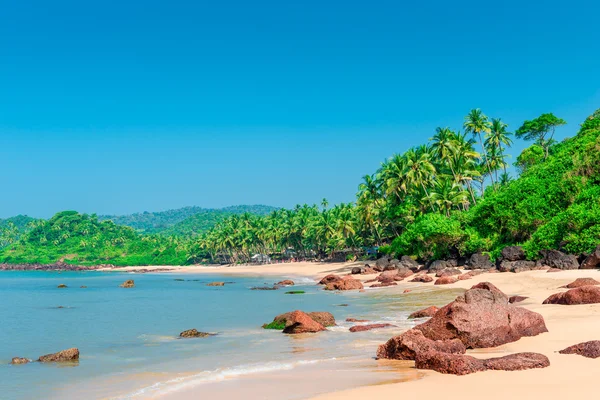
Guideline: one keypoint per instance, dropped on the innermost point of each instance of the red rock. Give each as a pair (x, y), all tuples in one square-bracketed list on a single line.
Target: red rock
[(356, 320), (404, 272), (361, 291), (469, 275), (579, 282), (425, 313), (581, 295), (517, 362), (407, 291), (448, 272), (482, 317), (323, 317), (329, 278), (446, 280), (362, 328), (516, 299), (368, 271), (286, 282), (587, 349), (407, 345), (445, 363), (300, 322), (554, 270), (387, 276), (383, 284), (423, 278), (344, 284), (62, 356)]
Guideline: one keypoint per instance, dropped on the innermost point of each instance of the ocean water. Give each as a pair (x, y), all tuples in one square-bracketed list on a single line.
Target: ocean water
[(128, 338)]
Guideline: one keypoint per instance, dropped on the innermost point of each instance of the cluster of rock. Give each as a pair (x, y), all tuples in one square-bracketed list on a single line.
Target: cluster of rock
[(581, 291), (58, 266), (335, 282), (69, 355), (480, 318), (300, 322), (194, 333)]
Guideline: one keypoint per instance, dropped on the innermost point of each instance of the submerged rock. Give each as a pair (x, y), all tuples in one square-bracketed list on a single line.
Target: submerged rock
[(62, 286), (356, 320), (128, 284), (216, 284), (194, 333), (20, 360), (300, 322), (362, 328), (71, 354), (285, 282), (587, 349)]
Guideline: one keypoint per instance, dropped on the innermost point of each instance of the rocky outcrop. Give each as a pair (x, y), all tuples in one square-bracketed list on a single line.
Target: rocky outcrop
[(62, 356), (255, 287), (587, 349), (592, 261), (362, 328), (479, 261), (408, 262), (517, 266), (347, 283), (448, 272), (300, 322), (516, 299), (482, 317), (581, 295), (425, 313), (407, 345), (446, 280), (323, 317), (329, 279), (19, 360), (423, 278), (513, 253), (579, 282), (439, 265), (356, 271), (383, 262), (193, 333), (557, 259), (458, 364), (285, 282), (127, 284)]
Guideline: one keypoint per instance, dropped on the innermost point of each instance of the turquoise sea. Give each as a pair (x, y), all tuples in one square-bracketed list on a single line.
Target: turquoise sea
[(128, 337)]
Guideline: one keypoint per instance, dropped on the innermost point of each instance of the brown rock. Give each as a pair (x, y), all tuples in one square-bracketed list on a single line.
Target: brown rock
[(517, 362), (356, 270), (323, 318), (592, 261), (388, 276), (383, 284), (470, 274), (356, 320), (329, 279), (285, 282), (587, 349), (425, 313), (300, 322), (407, 345), (19, 360), (369, 271), (407, 291), (446, 280), (128, 284), (62, 356), (448, 272), (344, 284), (581, 295), (554, 270), (482, 317), (362, 328), (193, 333), (516, 299), (62, 286), (404, 272), (445, 363), (579, 282), (423, 278)]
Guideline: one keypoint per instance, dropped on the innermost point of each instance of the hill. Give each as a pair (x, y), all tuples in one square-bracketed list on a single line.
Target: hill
[(183, 221)]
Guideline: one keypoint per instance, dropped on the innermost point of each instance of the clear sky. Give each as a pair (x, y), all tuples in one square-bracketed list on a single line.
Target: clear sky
[(124, 106)]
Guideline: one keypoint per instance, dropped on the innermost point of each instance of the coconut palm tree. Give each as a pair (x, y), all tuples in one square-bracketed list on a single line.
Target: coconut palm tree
[(498, 136), (477, 124)]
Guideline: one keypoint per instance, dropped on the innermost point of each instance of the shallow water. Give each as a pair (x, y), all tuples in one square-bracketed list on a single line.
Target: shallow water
[(128, 337)]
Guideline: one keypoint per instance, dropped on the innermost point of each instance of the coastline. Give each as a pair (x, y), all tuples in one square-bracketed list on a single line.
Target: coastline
[(567, 325)]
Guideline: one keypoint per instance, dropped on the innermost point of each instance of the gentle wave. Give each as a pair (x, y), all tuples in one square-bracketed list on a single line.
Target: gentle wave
[(217, 375)]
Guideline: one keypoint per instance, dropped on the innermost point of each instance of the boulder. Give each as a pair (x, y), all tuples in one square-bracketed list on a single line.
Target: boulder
[(322, 317), (404, 272), (424, 313), (448, 272), (516, 299), (517, 362), (329, 279), (580, 295), (62, 286), (479, 261), (513, 253), (300, 322), (446, 280), (459, 364), (423, 278), (19, 360), (557, 259), (469, 275), (388, 276), (482, 317), (438, 265), (592, 261), (285, 282), (362, 328), (193, 333), (407, 345), (383, 262), (517, 266), (356, 271), (586, 349), (579, 282), (408, 262), (62, 356), (369, 271), (344, 284), (127, 284)]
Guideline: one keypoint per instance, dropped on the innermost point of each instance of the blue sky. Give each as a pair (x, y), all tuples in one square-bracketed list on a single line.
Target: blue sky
[(118, 107)]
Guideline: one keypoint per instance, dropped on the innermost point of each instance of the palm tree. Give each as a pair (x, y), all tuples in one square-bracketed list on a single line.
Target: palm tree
[(498, 136), (419, 169), (477, 123)]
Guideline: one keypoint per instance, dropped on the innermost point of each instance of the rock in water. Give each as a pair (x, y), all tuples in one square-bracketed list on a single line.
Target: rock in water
[(329, 279), (362, 328), (579, 282), (193, 333), (482, 317), (285, 282), (344, 284), (216, 284), (323, 318), (128, 284), (425, 313), (587, 349), (19, 360), (71, 354), (581, 295), (592, 261), (407, 345), (62, 286), (300, 322)]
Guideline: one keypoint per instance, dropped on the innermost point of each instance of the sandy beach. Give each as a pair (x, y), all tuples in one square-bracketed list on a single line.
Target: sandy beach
[(567, 375)]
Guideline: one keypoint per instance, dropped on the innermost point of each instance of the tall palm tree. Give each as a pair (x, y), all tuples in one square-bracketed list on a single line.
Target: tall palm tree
[(498, 136), (443, 147), (477, 123), (419, 169)]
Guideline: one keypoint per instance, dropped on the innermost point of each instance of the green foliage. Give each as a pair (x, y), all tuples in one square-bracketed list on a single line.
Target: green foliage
[(275, 325), (529, 157), (295, 292), (539, 129)]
